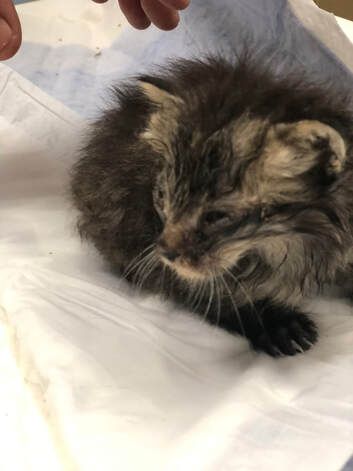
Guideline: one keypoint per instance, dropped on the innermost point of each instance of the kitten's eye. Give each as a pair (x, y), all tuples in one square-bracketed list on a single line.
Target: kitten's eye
[(159, 202), (266, 213), (215, 217), (158, 195)]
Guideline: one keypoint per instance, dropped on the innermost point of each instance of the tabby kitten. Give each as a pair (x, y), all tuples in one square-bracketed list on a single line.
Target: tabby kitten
[(227, 190)]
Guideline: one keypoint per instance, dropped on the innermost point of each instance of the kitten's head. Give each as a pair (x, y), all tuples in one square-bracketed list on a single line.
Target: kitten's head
[(243, 167)]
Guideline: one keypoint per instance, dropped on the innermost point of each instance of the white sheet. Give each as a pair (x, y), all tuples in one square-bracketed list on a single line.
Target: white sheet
[(128, 383)]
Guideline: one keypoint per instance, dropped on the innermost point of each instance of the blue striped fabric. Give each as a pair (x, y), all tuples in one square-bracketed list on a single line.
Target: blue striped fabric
[(207, 26)]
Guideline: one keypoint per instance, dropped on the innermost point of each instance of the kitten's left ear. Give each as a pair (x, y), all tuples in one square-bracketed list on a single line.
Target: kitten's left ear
[(158, 95), (295, 148)]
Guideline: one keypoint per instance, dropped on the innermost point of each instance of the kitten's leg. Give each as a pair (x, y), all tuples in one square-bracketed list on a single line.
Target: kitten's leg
[(272, 328)]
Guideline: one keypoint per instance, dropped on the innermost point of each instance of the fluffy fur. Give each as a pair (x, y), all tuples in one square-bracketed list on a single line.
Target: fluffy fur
[(227, 190)]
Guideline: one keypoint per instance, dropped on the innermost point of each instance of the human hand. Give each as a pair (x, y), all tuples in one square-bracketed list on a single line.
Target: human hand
[(139, 13), (162, 13), (10, 30)]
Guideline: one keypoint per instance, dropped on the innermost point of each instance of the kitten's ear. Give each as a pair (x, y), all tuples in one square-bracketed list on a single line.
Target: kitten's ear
[(157, 94), (293, 149), (162, 123)]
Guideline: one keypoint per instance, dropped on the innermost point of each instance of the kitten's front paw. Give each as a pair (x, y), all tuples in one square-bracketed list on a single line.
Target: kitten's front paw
[(286, 334)]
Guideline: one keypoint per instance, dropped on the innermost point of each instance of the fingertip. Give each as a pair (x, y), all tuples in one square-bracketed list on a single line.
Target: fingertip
[(183, 4), (10, 41), (10, 49), (176, 4), (10, 30), (168, 23), (134, 14), (162, 16), (5, 34), (140, 24)]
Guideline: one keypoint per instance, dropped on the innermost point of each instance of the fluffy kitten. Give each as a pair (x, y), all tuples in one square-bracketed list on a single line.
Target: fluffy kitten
[(226, 190)]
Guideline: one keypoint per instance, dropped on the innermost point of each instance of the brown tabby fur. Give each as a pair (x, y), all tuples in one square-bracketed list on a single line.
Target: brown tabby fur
[(226, 190)]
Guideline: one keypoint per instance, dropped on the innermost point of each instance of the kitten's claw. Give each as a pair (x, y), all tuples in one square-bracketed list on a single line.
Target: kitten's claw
[(304, 334), (290, 335)]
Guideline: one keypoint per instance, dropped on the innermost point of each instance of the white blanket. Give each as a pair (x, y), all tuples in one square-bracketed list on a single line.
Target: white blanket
[(119, 382)]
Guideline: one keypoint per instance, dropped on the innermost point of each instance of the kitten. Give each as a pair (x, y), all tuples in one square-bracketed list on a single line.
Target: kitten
[(226, 190)]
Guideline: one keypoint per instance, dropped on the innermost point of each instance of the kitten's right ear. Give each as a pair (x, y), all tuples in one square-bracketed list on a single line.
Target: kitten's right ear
[(295, 148), (157, 95)]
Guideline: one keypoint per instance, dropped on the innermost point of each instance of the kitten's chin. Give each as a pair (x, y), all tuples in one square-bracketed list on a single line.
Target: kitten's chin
[(207, 268), (188, 272)]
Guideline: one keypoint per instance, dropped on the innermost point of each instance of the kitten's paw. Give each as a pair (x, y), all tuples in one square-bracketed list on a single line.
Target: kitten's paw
[(286, 335)]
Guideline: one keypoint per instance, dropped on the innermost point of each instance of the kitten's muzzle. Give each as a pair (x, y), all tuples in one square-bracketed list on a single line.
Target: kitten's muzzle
[(167, 251)]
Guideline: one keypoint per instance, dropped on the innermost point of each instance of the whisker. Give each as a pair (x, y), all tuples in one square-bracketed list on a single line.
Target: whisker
[(195, 295), (141, 266), (131, 265), (210, 299), (162, 278), (192, 293), (201, 294), (241, 286), (149, 268), (246, 294), (218, 292), (234, 305)]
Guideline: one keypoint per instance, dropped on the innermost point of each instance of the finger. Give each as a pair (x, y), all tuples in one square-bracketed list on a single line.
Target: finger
[(134, 13), (176, 4), (163, 17), (5, 34), (10, 30)]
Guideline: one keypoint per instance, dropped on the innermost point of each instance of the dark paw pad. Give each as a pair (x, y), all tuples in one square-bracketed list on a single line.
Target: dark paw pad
[(288, 335)]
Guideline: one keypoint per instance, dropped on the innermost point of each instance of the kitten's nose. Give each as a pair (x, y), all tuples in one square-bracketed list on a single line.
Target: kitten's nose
[(169, 254)]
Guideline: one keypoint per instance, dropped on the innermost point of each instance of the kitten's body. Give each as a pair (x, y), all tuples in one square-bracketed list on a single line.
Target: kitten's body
[(225, 190)]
